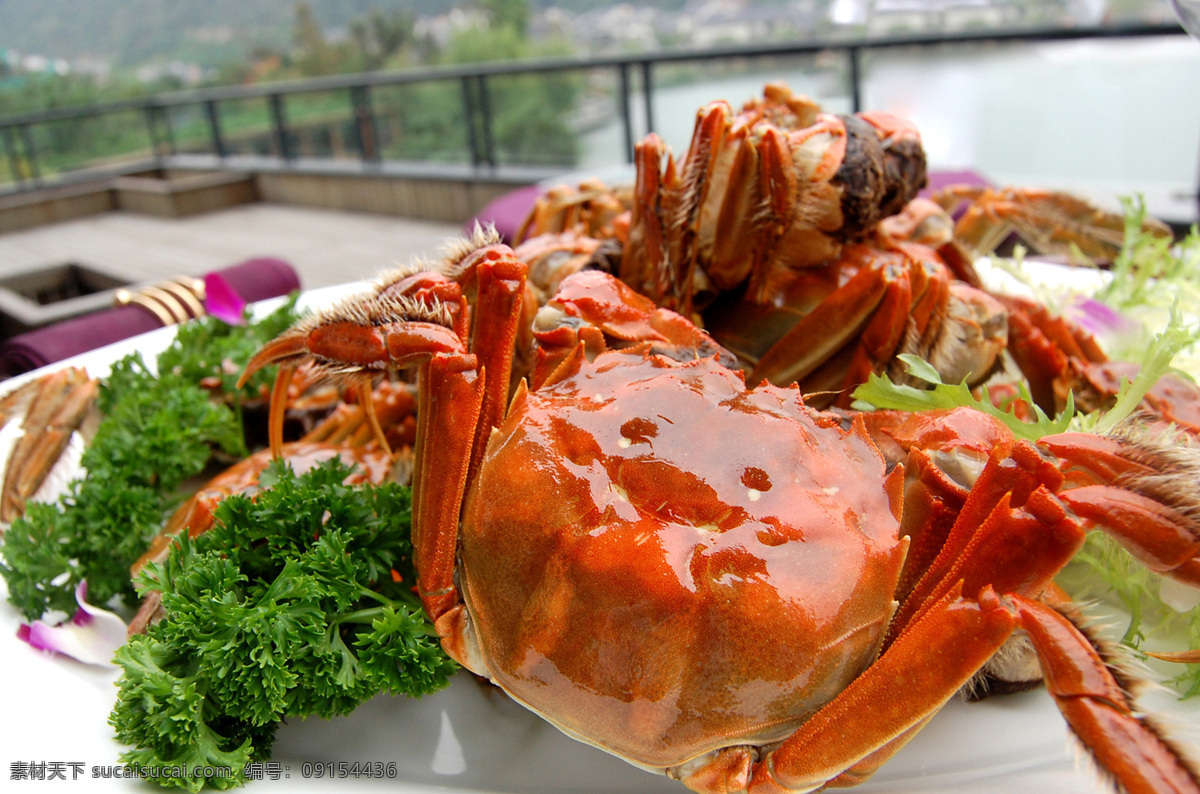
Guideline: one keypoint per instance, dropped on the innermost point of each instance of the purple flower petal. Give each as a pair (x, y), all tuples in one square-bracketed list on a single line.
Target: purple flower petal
[(91, 636), (1100, 318), (222, 301)]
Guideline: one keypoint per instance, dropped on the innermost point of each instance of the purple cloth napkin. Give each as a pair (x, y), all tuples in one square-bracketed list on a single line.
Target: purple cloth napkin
[(254, 280), (939, 180), (507, 212)]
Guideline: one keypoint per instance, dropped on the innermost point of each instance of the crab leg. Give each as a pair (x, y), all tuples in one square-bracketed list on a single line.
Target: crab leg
[(1152, 517), (1097, 458), (1018, 549), (881, 336), (696, 173), (892, 697), (825, 330), (393, 404), (1044, 347), (418, 321), (1013, 534), (501, 287), (1097, 707), (1160, 537), (59, 403), (1073, 340), (983, 226), (932, 503), (794, 173), (1037, 357), (727, 218), (1085, 687), (450, 398), (646, 265), (1011, 525), (929, 302)]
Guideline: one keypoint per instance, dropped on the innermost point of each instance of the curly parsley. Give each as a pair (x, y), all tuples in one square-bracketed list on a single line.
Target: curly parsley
[(158, 430), (156, 433), (214, 352), (295, 603)]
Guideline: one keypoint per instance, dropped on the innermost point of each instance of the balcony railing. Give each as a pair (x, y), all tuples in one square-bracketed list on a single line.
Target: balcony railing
[(385, 117)]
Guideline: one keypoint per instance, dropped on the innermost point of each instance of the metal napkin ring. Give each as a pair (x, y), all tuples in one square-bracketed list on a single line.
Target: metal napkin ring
[(174, 301)]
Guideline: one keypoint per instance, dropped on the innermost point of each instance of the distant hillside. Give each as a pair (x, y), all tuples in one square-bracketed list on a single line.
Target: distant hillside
[(209, 32)]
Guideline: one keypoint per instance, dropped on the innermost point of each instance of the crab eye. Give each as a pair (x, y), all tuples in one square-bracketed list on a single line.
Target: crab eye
[(550, 317)]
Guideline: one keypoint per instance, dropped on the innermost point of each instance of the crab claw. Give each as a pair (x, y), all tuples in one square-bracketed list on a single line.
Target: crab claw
[(347, 339), (288, 348), (354, 341)]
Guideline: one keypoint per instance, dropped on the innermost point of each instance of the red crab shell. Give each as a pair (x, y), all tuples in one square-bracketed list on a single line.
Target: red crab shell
[(666, 563)]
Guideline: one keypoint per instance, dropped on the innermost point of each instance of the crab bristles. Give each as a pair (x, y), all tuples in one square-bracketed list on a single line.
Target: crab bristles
[(458, 250)]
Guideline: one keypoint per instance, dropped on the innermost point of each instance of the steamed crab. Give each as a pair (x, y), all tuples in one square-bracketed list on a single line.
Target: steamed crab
[(771, 231), (1048, 222), (797, 239), (719, 583)]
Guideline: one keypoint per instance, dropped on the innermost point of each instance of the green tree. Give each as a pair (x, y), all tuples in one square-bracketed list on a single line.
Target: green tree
[(74, 143), (529, 112), (512, 14), (378, 37), (314, 55)]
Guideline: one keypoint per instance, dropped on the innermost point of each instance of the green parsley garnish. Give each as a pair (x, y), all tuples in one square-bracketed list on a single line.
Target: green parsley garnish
[(295, 603), (158, 431), (1152, 270), (211, 350)]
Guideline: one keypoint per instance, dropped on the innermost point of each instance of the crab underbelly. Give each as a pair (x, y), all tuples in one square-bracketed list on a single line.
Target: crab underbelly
[(638, 605)]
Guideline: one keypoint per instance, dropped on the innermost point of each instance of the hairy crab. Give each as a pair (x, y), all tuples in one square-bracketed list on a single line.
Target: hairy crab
[(1047, 221), (720, 583), (796, 238), (773, 231), (776, 187)]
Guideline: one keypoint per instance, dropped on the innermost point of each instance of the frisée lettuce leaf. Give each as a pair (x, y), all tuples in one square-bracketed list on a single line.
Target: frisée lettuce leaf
[(879, 392), (1145, 312)]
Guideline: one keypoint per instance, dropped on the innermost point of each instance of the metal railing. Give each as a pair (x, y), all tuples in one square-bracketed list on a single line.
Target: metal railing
[(475, 82)]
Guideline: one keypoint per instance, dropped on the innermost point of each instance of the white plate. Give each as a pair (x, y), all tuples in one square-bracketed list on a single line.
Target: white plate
[(472, 738)]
